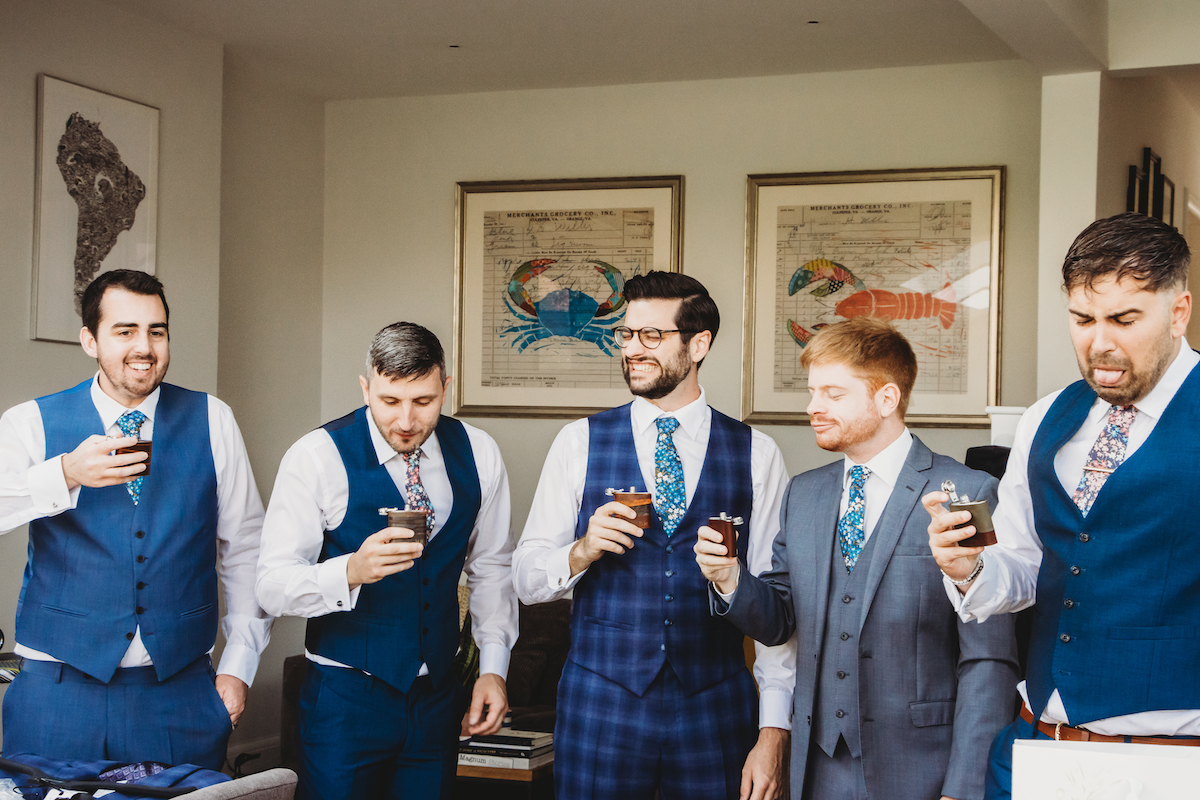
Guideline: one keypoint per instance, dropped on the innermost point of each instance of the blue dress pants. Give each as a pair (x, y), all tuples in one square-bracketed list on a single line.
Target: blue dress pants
[(361, 738), (56, 711)]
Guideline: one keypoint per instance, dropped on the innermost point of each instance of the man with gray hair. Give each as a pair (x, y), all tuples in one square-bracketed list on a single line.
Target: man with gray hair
[(379, 705)]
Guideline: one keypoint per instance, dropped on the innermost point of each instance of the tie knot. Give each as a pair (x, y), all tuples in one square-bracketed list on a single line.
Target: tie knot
[(130, 422), (858, 474), (667, 425), (413, 458)]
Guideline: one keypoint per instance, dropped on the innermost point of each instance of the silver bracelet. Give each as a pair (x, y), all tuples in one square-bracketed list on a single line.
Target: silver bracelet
[(974, 574)]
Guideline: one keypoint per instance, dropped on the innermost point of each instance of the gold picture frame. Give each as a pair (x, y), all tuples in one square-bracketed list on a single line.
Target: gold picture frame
[(921, 247)]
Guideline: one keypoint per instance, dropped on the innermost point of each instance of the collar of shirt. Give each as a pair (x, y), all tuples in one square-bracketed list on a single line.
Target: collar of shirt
[(886, 464), (691, 417), (110, 410), (1156, 401), (430, 449)]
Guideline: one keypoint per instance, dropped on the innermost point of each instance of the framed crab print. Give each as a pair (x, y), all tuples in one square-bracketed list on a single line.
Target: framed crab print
[(541, 269), (922, 249)]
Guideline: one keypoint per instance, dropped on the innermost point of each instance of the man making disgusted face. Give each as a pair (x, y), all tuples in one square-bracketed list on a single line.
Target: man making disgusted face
[(120, 608), (655, 694), (1096, 511), (901, 698), (379, 704)]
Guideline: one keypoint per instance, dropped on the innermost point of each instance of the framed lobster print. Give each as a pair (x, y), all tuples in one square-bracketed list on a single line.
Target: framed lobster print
[(920, 248), (541, 267)]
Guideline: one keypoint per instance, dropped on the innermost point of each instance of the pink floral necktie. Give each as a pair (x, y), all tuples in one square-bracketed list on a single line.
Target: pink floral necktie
[(1107, 454), (417, 499)]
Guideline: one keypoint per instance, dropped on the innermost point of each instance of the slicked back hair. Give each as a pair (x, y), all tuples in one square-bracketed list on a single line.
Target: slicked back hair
[(406, 350), (871, 348), (697, 310), (1128, 246), (131, 280)]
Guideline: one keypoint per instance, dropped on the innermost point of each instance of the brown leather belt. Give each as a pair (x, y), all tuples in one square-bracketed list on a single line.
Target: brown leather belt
[(1068, 734)]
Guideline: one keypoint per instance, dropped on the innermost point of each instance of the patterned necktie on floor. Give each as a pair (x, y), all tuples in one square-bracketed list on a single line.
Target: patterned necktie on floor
[(1107, 454), (130, 424), (417, 499), (670, 496), (850, 526)]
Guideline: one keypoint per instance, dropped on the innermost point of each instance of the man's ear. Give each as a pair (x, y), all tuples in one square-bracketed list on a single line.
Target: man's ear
[(887, 399), (88, 341), (366, 387), (1181, 312), (699, 346)]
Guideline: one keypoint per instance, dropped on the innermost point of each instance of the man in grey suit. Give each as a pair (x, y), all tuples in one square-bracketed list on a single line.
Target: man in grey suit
[(899, 698)]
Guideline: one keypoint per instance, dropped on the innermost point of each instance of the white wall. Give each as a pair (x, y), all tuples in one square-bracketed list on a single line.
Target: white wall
[(111, 51), (272, 181), (392, 164)]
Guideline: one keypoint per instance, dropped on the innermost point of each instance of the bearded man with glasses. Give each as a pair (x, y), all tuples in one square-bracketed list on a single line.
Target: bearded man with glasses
[(655, 694)]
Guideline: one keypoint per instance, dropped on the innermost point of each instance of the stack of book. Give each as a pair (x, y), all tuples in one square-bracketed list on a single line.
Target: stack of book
[(508, 749)]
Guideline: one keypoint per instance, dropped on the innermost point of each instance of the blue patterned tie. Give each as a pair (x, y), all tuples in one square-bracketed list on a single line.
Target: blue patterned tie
[(850, 526), (417, 499), (1106, 455), (130, 424), (670, 497)]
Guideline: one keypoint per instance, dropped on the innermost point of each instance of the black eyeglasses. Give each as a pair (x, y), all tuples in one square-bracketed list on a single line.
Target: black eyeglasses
[(649, 337)]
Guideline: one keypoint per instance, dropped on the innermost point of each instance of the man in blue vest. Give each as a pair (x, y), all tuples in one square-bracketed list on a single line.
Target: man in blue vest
[(1096, 511), (119, 609), (655, 693), (380, 705), (900, 699)]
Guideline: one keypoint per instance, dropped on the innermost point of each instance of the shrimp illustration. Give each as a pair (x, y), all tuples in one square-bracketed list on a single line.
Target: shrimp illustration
[(821, 269), (889, 305)]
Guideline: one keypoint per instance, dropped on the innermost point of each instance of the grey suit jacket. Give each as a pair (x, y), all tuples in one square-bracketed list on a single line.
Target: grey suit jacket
[(933, 691)]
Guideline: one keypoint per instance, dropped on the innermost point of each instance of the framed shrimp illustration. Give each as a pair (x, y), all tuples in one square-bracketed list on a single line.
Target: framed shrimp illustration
[(541, 269), (920, 248)]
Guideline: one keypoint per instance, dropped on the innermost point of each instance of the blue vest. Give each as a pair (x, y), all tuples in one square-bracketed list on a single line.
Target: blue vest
[(634, 612), (99, 571), (1117, 618), (411, 617)]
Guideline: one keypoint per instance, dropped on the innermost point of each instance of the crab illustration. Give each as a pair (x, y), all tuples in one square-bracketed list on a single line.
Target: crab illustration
[(563, 312)]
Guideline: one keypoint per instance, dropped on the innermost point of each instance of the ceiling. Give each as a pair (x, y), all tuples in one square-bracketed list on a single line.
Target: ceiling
[(385, 48), (336, 49)]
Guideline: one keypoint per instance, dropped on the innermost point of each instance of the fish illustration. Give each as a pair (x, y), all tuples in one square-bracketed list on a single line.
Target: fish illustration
[(822, 269), (800, 335)]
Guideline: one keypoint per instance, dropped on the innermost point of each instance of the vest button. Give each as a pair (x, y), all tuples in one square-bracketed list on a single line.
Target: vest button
[(140, 534), (424, 631), (139, 610), (667, 622), (1083, 537), (1069, 603), (129, 637), (846, 598), (670, 549), (141, 585), (1064, 638), (140, 559), (840, 713), (841, 675), (425, 607), (669, 598), (425, 582), (670, 573), (1075, 570), (845, 636)]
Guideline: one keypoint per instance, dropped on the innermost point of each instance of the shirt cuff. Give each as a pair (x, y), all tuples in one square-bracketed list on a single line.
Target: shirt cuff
[(775, 709), (239, 661), (729, 597), (48, 488), (335, 587), (966, 604), (493, 658), (558, 570)]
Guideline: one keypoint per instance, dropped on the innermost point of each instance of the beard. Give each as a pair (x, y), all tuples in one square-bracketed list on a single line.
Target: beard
[(1137, 385), (671, 373), (850, 432)]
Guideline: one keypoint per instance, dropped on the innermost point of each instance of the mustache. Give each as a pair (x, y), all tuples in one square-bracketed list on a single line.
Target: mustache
[(1106, 362)]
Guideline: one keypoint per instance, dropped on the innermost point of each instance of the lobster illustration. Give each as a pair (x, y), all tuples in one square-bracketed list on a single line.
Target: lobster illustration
[(906, 305), (821, 269)]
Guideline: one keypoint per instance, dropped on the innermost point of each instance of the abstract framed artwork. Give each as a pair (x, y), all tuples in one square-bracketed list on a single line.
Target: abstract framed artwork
[(541, 266), (920, 248), (96, 198)]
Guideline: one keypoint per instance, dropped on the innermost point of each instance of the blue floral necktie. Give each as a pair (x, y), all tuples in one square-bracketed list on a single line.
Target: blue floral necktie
[(130, 424), (1106, 455), (417, 499), (850, 526), (670, 496)]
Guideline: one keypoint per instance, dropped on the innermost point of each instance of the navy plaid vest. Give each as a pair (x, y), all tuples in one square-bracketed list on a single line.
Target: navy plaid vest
[(411, 617), (97, 572), (1117, 623), (634, 612)]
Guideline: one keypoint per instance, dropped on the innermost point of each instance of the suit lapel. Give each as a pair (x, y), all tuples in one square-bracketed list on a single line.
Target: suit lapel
[(820, 525), (910, 485)]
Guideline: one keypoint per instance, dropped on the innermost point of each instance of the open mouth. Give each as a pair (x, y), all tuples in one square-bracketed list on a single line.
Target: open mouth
[(139, 366), (1107, 376)]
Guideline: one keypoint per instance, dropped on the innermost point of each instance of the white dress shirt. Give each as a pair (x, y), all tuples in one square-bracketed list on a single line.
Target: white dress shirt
[(885, 471), (310, 497), (541, 564), (33, 486), (1008, 581)]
